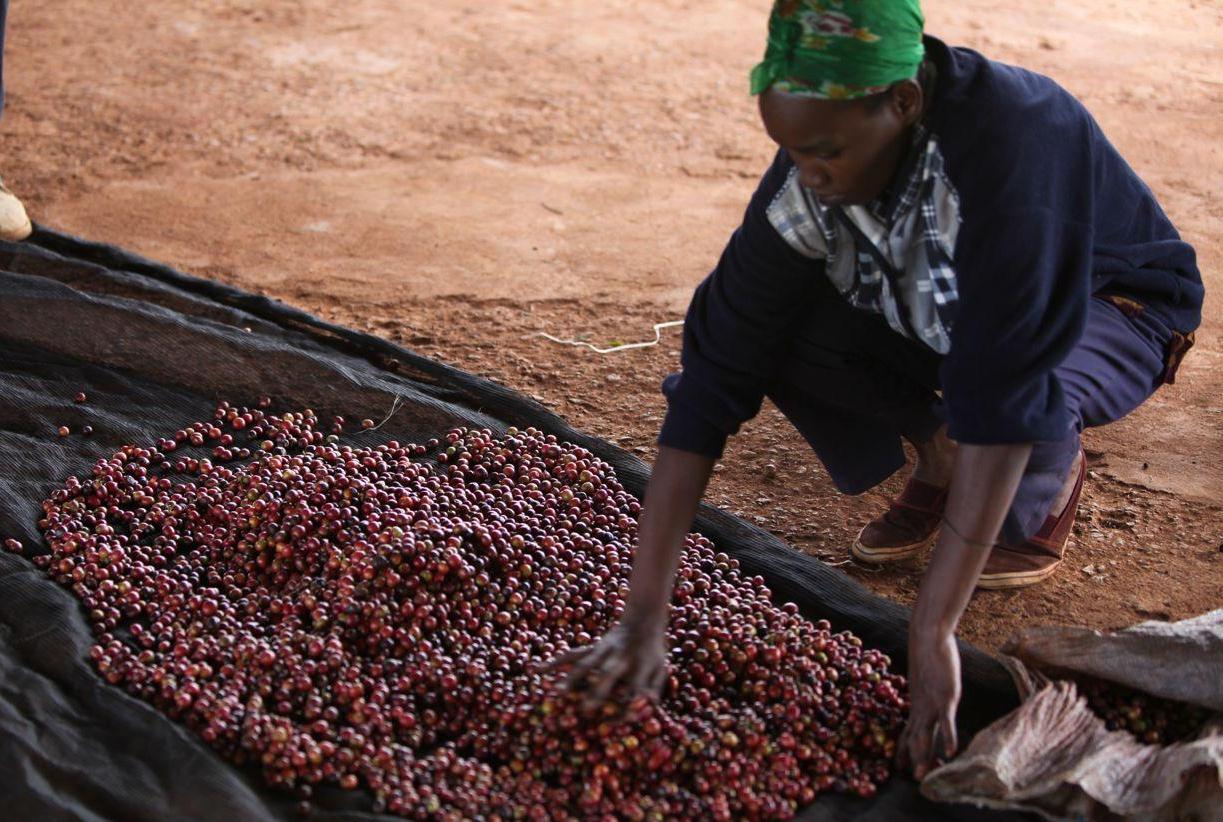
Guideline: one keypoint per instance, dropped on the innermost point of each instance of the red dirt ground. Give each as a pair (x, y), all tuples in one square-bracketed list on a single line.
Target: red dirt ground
[(458, 176)]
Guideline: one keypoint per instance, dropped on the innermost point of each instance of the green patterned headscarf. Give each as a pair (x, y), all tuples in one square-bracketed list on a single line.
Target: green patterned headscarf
[(840, 49)]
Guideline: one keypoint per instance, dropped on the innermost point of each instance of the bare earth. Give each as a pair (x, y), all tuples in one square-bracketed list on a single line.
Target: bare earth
[(456, 176)]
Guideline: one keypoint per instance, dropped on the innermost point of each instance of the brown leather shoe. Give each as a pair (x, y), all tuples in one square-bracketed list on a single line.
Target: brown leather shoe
[(906, 528), (1015, 566)]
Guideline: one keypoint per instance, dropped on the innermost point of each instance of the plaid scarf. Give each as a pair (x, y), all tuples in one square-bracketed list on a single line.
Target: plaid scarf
[(912, 228)]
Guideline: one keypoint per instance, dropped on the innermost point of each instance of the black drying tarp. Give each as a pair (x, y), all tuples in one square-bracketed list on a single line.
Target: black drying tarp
[(154, 350)]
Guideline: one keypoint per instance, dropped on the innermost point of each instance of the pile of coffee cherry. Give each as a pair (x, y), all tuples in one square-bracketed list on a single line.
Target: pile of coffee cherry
[(380, 618), (1147, 718)]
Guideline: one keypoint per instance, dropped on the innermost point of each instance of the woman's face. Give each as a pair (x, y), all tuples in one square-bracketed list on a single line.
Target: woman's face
[(846, 151)]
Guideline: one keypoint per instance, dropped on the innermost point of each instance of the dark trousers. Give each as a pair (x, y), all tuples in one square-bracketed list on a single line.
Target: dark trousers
[(853, 388)]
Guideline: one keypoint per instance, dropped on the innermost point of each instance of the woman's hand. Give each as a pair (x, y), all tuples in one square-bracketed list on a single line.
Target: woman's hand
[(982, 488), (632, 655), (934, 695), (634, 652)]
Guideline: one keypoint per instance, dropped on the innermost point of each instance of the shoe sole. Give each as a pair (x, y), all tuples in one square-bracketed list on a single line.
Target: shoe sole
[(1015, 579), (882, 556)]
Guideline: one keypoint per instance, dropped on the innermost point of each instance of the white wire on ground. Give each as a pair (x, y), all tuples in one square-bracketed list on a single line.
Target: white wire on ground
[(658, 327), (395, 406)]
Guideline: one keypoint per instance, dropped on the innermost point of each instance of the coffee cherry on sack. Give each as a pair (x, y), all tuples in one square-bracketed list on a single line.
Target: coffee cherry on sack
[(1147, 718), (364, 618)]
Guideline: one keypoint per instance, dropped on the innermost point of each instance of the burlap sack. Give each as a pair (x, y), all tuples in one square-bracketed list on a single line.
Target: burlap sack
[(1174, 660), (1055, 757)]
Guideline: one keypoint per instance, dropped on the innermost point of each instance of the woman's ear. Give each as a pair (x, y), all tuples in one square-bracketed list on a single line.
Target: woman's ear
[(907, 98)]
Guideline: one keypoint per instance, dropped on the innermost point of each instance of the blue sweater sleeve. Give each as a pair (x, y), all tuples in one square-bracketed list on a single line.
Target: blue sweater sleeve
[(1023, 304), (1027, 160), (737, 329)]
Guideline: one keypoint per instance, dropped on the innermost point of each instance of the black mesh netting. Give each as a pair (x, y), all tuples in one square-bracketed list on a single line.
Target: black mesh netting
[(154, 350)]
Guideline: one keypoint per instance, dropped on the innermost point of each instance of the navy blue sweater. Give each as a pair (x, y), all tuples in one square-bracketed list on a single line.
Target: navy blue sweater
[(1051, 215)]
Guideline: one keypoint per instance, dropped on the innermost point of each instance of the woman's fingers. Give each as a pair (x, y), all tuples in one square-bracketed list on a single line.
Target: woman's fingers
[(937, 736), (657, 680), (568, 658), (598, 669), (639, 682), (919, 746), (605, 678), (648, 679), (584, 664), (903, 759), (946, 726)]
